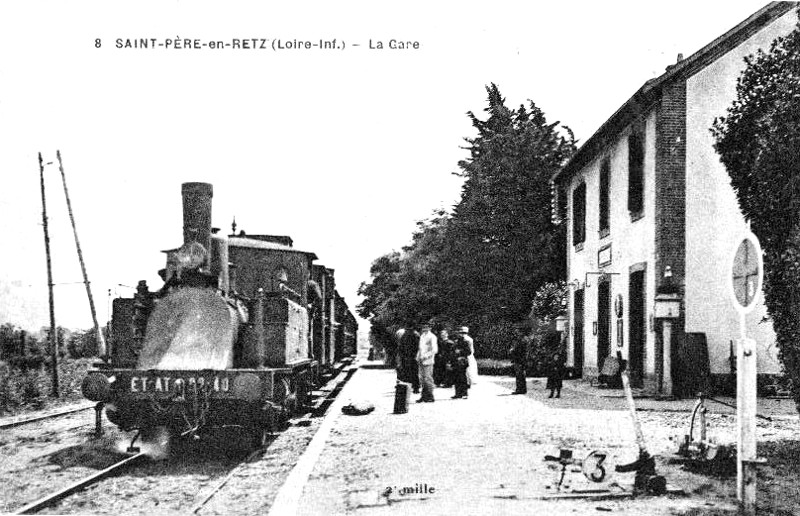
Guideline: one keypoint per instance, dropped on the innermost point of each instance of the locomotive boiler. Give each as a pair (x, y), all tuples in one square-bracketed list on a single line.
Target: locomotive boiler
[(238, 334)]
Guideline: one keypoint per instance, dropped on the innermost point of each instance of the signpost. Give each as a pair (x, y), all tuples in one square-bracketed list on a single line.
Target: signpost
[(746, 278)]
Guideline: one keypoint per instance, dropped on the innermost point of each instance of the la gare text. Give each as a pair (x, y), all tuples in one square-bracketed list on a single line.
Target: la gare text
[(394, 44)]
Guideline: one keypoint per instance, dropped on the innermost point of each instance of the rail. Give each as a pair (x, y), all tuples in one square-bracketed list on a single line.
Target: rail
[(77, 486), (41, 417)]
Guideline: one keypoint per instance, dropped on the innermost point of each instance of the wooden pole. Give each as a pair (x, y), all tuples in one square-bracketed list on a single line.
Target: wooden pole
[(746, 461), (101, 341), (53, 335)]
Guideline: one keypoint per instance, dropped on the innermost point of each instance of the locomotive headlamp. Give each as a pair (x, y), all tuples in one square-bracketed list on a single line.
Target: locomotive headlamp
[(247, 386), (97, 387)]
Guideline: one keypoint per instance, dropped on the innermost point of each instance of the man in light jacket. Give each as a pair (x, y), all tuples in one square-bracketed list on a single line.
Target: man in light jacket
[(428, 347)]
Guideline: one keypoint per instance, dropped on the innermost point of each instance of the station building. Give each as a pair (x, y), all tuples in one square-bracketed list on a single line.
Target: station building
[(648, 204)]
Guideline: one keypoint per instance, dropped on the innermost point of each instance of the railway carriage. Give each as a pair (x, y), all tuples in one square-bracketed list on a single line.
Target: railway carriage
[(236, 336)]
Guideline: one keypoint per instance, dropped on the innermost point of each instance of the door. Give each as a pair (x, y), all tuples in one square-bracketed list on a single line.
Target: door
[(603, 321), (577, 347), (636, 328)]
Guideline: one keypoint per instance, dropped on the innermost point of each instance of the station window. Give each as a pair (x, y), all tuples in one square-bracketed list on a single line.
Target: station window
[(579, 214), (559, 203), (605, 198), (636, 173)]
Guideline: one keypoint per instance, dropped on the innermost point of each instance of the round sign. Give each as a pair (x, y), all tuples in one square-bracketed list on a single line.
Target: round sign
[(747, 273)]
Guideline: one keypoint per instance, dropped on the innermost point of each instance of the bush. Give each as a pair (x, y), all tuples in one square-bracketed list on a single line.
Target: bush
[(495, 340), (30, 389), (19, 389), (543, 344), (495, 367)]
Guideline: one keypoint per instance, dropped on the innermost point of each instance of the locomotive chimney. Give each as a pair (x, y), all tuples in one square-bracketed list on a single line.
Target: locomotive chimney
[(197, 213)]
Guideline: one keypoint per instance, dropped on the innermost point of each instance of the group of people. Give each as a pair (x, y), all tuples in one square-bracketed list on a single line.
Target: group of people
[(425, 361)]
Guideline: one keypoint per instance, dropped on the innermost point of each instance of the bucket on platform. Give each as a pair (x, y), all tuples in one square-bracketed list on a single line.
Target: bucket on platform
[(402, 396)]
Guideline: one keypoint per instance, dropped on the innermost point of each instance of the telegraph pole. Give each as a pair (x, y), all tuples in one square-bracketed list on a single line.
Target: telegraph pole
[(101, 341), (53, 335)]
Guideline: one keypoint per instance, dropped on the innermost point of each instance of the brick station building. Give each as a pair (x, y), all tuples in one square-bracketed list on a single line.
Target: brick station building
[(647, 194)]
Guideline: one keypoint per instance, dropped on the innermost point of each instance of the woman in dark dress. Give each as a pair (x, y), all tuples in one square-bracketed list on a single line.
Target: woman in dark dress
[(461, 351), (441, 366), (407, 354), (555, 375)]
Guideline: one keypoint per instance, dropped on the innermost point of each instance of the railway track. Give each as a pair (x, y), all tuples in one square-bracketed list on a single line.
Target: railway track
[(41, 417), (326, 396)]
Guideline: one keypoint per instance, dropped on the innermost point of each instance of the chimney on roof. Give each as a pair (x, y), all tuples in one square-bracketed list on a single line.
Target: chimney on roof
[(680, 58)]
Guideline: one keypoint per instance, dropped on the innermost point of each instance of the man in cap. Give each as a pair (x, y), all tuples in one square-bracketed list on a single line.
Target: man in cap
[(425, 359)]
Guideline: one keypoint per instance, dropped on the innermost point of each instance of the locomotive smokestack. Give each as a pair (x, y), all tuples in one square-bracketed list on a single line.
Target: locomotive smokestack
[(197, 213)]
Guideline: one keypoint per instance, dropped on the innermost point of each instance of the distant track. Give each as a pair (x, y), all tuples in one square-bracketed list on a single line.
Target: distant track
[(77, 486), (41, 417)]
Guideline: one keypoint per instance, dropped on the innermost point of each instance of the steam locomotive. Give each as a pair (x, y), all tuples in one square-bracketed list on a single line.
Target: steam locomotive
[(241, 331)]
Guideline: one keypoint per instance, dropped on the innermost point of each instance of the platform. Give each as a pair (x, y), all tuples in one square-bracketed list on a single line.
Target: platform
[(481, 455)]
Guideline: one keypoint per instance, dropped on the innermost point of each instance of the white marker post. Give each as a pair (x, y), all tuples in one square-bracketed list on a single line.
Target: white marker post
[(747, 276)]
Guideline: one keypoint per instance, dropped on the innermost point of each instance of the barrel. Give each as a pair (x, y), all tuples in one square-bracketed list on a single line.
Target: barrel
[(402, 394)]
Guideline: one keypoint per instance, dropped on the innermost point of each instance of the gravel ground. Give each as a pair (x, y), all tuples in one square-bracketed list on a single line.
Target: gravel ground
[(40, 457), (484, 455)]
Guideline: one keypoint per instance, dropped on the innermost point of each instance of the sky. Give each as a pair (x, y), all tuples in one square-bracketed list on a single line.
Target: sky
[(344, 150)]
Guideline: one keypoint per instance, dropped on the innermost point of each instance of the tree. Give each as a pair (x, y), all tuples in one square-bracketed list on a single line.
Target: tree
[(549, 302), (482, 265), (61, 336), (83, 343), (759, 144), (377, 293), (11, 341), (509, 244)]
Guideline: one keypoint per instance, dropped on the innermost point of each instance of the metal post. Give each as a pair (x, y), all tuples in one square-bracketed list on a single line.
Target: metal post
[(101, 341), (666, 373), (745, 416), (98, 420), (53, 335)]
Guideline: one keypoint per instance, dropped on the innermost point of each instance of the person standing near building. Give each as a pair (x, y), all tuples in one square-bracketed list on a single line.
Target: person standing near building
[(460, 364), (442, 369), (555, 375), (407, 358), (472, 363), (519, 357), (426, 354)]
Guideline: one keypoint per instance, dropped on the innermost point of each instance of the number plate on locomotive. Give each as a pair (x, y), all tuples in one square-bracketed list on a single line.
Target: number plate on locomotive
[(173, 384)]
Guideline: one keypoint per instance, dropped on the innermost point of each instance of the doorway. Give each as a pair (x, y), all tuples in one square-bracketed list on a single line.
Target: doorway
[(577, 347), (603, 321), (636, 327)]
